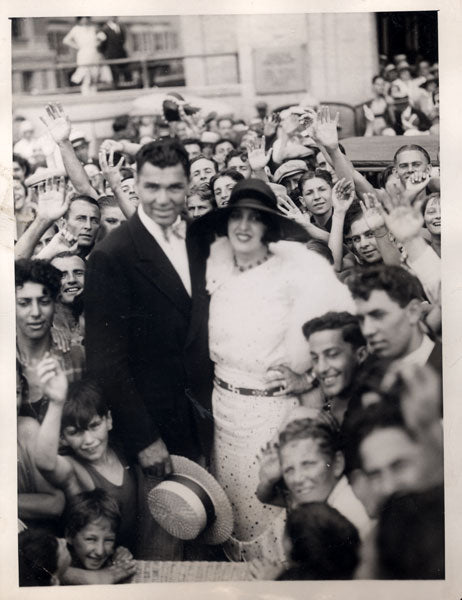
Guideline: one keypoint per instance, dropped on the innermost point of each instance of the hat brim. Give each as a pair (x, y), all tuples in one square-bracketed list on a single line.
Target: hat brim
[(215, 221), (221, 528)]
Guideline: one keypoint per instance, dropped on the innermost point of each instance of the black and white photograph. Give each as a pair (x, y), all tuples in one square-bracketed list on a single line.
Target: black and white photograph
[(228, 299)]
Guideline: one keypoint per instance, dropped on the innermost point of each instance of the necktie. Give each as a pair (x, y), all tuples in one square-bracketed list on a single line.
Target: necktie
[(178, 229)]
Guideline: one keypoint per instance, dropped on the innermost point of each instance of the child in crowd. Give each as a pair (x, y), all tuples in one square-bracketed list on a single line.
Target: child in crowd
[(84, 422), (43, 558), (92, 526)]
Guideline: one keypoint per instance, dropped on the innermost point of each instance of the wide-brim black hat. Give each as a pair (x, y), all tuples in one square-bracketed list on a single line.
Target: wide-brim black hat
[(254, 194)]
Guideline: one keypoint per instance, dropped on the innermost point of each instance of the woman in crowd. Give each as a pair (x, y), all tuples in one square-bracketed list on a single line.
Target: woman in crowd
[(262, 290), (83, 37), (222, 184)]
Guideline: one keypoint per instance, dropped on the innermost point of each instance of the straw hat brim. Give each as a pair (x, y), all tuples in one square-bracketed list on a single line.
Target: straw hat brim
[(221, 528)]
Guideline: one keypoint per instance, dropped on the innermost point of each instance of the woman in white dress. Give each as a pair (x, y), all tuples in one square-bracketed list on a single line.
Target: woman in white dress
[(83, 37), (263, 289)]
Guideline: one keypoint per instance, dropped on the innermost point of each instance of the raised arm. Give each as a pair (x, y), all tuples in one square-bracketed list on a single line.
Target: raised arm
[(343, 194), (325, 134), (59, 126), (46, 501), (51, 206), (111, 173), (258, 158), (55, 468)]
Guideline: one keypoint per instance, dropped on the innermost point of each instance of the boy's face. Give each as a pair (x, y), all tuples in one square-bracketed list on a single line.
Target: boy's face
[(334, 361), (308, 473), (94, 544), (89, 444)]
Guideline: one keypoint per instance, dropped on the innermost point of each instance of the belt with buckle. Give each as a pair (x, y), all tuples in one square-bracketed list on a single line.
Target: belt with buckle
[(246, 391)]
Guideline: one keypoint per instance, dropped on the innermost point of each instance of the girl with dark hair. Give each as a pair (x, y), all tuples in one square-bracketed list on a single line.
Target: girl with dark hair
[(222, 185)]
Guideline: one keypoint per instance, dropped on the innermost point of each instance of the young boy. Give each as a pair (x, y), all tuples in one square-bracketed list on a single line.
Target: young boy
[(91, 530), (84, 422)]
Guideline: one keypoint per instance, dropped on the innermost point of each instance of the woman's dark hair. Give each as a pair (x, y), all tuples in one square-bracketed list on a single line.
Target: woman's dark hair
[(23, 163), (86, 507), (38, 271), (231, 173), (38, 557), (325, 545), (384, 175), (317, 173)]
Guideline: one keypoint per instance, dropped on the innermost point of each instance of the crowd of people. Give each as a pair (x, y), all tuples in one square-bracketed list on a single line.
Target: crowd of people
[(405, 99), (228, 349)]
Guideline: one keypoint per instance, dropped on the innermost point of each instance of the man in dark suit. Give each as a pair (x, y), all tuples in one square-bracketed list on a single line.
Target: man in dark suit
[(112, 36), (146, 314)]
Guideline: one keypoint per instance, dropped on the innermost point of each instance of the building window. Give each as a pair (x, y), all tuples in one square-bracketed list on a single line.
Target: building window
[(149, 40)]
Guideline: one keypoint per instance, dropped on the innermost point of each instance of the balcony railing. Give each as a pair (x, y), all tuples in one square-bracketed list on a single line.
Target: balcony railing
[(139, 72)]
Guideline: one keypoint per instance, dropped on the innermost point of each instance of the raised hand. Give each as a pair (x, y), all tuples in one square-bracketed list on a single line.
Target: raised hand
[(53, 379), (404, 221), (270, 465), (57, 122), (63, 241), (343, 194), (415, 184), (107, 145), (52, 203), (368, 113), (372, 212), (270, 124), (288, 207), (325, 128), (110, 171), (258, 158), (195, 122)]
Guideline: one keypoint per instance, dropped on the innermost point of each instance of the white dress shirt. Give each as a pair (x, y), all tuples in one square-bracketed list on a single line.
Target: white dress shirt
[(173, 246)]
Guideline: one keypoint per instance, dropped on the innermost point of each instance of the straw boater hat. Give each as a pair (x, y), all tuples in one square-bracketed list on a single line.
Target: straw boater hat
[(190, 504), (254, 194)]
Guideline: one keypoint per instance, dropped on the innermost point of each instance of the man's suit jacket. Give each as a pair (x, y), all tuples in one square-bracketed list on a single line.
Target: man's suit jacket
[(147, 341), (113, 45)]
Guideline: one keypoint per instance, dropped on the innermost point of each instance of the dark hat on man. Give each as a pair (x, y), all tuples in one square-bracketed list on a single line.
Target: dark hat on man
[(256, 195)]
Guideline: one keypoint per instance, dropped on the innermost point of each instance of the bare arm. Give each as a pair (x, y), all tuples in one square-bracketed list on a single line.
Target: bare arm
[(325, 134), (46, 501), (59, 126), (343, 195), (57, 469)]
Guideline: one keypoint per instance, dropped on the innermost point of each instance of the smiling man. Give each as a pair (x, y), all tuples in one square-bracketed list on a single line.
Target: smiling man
[(411, 159), (146, 319), (337, 348)]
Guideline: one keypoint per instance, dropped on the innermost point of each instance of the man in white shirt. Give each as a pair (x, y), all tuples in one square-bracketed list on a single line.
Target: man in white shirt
[(146, 314)]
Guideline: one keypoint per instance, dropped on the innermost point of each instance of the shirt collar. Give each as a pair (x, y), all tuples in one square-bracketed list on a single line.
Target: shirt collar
[(154, 228)]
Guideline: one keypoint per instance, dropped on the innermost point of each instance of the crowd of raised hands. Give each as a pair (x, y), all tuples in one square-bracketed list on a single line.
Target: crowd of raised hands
[(354, 219)]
